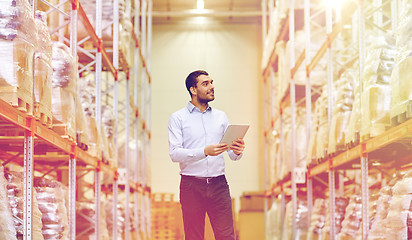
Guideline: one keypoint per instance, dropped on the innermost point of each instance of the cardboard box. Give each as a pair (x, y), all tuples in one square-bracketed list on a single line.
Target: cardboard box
[(252, 201)]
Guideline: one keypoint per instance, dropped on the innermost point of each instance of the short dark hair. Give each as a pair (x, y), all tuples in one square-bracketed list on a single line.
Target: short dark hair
[(191, 80)]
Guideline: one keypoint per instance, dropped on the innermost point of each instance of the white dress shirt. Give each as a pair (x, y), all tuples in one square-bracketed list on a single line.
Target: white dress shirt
[(190, 131)]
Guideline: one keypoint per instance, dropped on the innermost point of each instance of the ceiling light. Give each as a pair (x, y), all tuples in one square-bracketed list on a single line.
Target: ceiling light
[(200, 4)]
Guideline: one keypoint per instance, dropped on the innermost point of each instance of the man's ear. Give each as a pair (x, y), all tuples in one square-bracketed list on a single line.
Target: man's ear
[(193, 90)]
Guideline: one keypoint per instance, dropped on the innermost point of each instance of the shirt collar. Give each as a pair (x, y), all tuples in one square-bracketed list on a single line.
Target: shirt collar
[(192, 107)]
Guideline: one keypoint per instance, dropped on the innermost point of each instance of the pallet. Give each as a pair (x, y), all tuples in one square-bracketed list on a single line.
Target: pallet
[(18, 98), (374, 130), (401, 113), (64, 131), (43, 114), (353, 143)]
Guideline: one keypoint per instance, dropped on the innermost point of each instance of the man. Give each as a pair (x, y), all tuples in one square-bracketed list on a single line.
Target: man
[(194, 135)]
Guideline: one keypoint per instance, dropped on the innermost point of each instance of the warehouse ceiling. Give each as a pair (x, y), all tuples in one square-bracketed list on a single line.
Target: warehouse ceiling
[(223, 10)]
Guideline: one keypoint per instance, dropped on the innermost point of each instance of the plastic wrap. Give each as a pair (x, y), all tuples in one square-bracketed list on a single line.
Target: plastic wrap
[(301, 221), (376, 95), (317, 221), (379, 225), (51, 198), (341, 113), (82, 126), (402, 75), (89, 7), (109, 219), (64, 85), (17, 43), (7, 230), (322, 135), (16, 200), (16, 20), (87, 95), (354, 126), (351, 225), (108, 130), (285, 163), (340, 207), (399, 210), (42, 63), (273, 220), (85, 221)]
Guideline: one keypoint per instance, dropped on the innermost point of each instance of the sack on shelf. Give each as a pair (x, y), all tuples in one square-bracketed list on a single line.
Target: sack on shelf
[(351, 224), (16, 200), (63, 93), (52, 204), (317, 221), (7, 230)]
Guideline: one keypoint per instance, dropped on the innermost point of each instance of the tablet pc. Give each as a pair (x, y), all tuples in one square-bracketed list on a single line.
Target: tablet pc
[(233, 132)]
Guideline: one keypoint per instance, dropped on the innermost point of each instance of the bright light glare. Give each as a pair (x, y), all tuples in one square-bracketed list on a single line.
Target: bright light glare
[(200, 4), (335, 4)]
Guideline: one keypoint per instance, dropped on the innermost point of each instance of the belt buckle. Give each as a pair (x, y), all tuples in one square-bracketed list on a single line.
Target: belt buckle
[(208, 180)]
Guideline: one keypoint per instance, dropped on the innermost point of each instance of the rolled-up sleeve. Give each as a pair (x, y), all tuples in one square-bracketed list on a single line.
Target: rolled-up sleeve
[(176, 150)]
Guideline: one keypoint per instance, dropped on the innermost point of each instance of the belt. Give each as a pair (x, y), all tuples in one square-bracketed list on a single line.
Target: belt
[(206, 180)]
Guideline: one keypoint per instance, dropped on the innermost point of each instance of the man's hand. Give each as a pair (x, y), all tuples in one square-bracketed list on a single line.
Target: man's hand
[(238, 146), (215, 149)]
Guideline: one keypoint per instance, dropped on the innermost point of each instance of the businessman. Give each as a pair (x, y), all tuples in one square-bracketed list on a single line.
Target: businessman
[(194, 135)]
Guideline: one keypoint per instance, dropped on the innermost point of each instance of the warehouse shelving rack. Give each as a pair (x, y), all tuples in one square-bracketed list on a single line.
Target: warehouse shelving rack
[(28, 136), (353, 156)]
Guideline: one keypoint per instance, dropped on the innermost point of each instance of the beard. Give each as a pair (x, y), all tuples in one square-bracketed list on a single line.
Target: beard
[(209, 96)]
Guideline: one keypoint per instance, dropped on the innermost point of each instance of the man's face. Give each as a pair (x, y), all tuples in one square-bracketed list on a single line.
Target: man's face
[(205, 91)]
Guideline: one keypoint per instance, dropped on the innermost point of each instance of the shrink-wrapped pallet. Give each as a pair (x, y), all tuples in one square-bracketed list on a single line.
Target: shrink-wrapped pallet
[(85, 221), (301, 146), (284, 162), (402, 74), (43, 71), (15, 195), (273, 220), (88, 103), (52, 204), (379, 225), (322, 135), (399, 210), (376, 95), (108, 121), (108, 207), (301, 221), (64, 90), (341, 113), (351, 225), (354, 126), (318, 218), (17, 43), (89, 7), (340, 207), (7, 230), (274, 157), (82, 127), (311, 156)]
